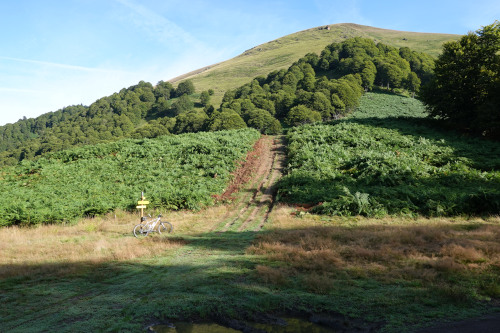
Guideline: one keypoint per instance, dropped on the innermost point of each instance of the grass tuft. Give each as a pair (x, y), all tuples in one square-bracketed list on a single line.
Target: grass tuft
[(274, 275)]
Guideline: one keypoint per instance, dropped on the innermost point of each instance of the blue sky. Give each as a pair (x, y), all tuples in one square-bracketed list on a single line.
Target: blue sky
[(56, 53)]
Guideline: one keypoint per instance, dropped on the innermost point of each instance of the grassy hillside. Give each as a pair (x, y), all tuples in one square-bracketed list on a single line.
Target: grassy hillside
[(282, 52)]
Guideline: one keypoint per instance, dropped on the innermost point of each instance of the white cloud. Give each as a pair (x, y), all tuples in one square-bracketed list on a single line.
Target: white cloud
[(57, 65), (162, 29)]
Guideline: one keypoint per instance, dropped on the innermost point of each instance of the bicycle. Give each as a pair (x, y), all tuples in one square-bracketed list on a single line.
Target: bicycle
[(153, 225)]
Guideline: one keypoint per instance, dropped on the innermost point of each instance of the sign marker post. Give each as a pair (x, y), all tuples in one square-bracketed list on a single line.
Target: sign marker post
[(141, 204)]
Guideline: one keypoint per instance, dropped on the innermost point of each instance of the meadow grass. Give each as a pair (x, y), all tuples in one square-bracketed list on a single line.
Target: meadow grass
[(92, 241), (95, 276), (418, 270), (98, 239), (458, 257)]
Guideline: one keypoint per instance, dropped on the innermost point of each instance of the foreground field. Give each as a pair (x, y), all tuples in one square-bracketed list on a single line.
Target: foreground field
[(96, 277), (436, 263), (249, 261)]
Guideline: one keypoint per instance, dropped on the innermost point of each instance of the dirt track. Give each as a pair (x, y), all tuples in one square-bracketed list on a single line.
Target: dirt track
[(261, 171)]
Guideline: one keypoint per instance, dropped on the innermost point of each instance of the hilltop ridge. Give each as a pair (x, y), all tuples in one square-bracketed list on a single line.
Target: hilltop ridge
[(282, 52)]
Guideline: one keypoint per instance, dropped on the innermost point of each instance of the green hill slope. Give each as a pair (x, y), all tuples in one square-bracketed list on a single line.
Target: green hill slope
[(282, 52)]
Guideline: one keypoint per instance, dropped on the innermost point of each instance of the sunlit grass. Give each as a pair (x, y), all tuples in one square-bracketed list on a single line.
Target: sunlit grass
[(93, 241)]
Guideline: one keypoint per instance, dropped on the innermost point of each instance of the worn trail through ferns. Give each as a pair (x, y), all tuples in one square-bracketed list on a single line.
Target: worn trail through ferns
[(255, 181)]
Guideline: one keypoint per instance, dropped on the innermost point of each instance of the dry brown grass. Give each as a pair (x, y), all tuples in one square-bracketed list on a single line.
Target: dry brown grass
[(429, 250), (271, 274), (65, 249), (188, 222)]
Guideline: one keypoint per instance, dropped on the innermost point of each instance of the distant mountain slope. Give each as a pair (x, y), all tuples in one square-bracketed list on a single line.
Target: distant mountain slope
[(282, 52)]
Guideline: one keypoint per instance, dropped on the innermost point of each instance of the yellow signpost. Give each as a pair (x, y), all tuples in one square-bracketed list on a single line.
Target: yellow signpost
[(141, 204)]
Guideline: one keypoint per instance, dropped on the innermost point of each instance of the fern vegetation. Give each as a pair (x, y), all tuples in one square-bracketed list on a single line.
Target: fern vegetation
[(386, 159), (176, 172)]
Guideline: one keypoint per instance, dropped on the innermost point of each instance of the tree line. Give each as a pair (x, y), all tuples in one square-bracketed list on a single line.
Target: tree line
[(121, 115), (465, 90), (327, 86)]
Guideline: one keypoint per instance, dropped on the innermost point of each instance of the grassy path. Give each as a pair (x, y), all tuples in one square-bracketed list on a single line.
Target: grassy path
[(251, 209)]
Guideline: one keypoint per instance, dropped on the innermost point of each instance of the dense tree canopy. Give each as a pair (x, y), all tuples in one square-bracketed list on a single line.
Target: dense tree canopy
[(466, 88), (301, 114), (185, 88), (118, 116), (225, 120), (330, 85), (204, 98), (182, 104)]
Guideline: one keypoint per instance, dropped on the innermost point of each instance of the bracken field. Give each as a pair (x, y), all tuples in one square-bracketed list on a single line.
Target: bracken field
[(388, 159), (176, 172)]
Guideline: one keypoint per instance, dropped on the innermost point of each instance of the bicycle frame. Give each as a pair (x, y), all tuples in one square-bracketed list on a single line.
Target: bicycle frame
[(151, 224)]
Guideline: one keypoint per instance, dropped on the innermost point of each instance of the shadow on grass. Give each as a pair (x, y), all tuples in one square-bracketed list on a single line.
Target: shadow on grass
[(207, 277), (212, 276)]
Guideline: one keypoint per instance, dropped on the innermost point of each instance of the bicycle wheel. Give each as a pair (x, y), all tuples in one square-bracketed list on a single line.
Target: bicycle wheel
[(140, 231), (165, 227)]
